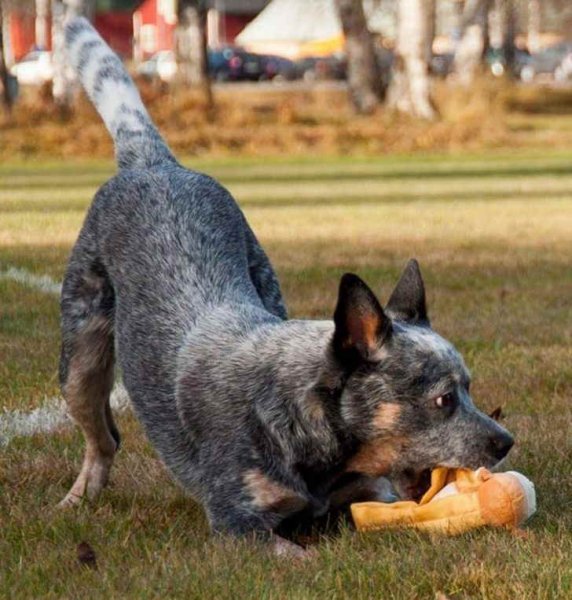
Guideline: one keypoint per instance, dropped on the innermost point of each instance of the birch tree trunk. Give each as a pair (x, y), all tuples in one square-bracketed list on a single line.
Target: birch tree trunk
[(63, 83), (193, 47), (472, 45), (42, 33), (409, 90), (365, 83), (533, 36)]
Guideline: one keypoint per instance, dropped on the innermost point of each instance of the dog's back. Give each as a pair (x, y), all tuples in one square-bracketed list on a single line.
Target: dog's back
[(158, 218)]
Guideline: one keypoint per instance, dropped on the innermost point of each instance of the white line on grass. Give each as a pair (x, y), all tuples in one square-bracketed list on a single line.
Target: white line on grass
[(43, 283), (52, 414), (47, 418)]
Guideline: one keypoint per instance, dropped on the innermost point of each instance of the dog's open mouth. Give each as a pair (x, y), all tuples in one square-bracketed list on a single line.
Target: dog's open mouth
[(411, 485)]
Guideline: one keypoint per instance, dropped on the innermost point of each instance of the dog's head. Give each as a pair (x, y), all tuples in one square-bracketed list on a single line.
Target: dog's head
[(406, 397)]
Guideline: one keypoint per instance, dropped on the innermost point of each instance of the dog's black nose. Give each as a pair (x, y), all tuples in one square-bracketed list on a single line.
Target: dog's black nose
[(501, 444)]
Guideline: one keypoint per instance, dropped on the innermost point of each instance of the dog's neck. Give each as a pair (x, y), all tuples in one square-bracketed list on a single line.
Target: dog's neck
[(284, 373), (303, 412)]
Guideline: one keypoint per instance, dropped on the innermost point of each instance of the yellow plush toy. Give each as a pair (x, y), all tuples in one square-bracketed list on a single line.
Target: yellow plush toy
[(458, 500)]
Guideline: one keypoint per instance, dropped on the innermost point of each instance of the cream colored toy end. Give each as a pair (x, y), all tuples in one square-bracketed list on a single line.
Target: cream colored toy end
[(457, 501)]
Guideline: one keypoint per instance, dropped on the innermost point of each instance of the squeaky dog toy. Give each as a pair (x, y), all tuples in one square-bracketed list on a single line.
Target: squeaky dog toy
[(457, 501)]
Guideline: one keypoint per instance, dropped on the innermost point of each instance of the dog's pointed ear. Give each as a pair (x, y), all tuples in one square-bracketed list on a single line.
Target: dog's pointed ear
[(407, 302), (361, 325)]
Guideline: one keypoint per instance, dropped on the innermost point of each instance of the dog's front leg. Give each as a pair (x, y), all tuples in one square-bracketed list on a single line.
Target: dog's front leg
[(276, 544), (257, 510), (282, 547)]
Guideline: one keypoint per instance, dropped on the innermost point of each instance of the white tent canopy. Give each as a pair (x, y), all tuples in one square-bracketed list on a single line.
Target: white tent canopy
[(286, 25)]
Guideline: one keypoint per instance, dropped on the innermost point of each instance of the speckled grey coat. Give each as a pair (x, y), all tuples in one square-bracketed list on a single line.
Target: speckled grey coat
[(260, 418)]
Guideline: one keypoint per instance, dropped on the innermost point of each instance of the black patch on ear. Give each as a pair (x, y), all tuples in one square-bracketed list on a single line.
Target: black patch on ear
[(407, 302), (361, 324)]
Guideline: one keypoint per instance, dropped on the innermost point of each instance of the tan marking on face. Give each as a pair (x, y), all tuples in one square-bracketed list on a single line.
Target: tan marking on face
[(270, 495), (386, 416), (376, 458)]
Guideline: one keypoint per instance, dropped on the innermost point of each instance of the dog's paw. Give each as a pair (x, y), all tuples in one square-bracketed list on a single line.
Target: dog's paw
[(283, 548), (89, 483), (70, 501)]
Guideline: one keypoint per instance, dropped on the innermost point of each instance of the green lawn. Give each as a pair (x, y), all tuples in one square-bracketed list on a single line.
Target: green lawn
[(493, 235)]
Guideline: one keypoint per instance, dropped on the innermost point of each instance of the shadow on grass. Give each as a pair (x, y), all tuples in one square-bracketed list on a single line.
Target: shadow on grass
[(67, 179), (81, 205)]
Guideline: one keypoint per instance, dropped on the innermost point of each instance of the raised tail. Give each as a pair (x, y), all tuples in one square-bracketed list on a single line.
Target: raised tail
[(112, 91)]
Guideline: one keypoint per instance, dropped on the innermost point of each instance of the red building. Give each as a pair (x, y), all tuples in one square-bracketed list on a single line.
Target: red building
[(113, 19), (154, 25), (116, 28), (139, 27)]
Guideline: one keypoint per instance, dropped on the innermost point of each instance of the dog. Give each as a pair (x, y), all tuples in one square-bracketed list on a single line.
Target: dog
[(260, 418)]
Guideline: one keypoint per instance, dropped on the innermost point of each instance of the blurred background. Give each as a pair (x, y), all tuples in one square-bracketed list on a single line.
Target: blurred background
[(354, 135), (293, 76)]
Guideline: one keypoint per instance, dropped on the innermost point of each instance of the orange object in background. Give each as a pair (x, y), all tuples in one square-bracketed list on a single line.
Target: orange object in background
[(22, 28), (325, 47)]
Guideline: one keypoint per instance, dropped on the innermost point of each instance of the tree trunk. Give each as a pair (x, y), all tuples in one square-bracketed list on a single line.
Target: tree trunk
[(409, 90), (193, 47), (533, 40), (508, 17), (7, 99), (431, 19), (365, 82), (472, 45), (42, 33), (486, 25), (63, 83)]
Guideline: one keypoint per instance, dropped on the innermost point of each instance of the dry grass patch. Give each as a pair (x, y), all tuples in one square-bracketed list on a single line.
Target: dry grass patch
[(255, 121)]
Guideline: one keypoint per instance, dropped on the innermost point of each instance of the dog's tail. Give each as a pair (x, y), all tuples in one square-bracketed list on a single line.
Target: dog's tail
[(108, 85)]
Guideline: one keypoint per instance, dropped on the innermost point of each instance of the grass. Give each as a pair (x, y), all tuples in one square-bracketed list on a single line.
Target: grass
[(493, 234)]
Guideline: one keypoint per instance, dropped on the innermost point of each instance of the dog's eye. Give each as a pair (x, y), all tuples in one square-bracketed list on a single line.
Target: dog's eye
[(445, 401)]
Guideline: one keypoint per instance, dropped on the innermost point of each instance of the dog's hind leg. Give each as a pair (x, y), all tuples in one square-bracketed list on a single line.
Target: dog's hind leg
[(87, 369)]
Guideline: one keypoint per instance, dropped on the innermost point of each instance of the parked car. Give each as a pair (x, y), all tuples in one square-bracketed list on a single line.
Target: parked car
[(231, 63), (334, 67), (546, 62), (497, 61), (318, 68), (225, 64), (385, 60), (441, 65), (277, 68), (35, 68)]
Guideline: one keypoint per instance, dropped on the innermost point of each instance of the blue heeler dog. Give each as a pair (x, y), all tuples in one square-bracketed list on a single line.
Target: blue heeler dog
[(260, 418)]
